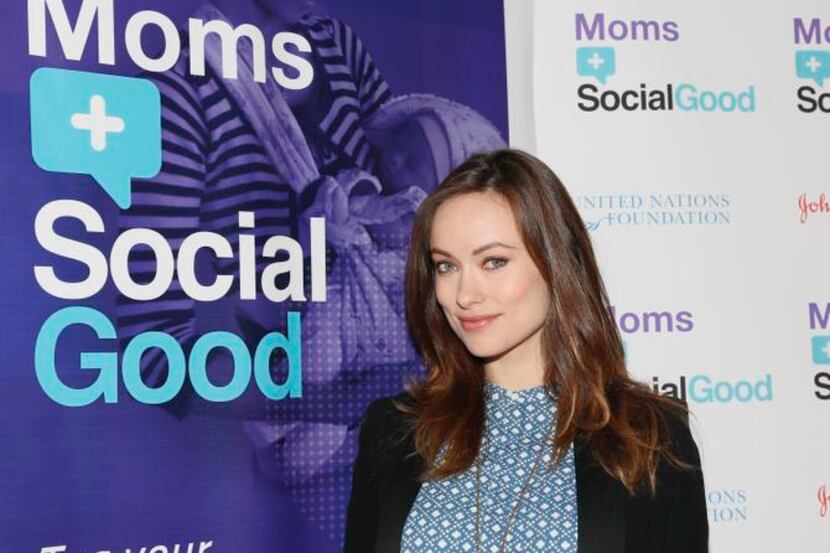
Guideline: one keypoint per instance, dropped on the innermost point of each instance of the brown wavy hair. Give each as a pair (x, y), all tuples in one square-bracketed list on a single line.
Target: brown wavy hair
[(620, 420)]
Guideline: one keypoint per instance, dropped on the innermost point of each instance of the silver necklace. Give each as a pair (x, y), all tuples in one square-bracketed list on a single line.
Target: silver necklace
[(515, 508)]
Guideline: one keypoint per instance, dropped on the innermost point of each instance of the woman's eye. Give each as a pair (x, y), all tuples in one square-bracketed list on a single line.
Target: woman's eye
[(491, 263), (441, 266), (497, 262)]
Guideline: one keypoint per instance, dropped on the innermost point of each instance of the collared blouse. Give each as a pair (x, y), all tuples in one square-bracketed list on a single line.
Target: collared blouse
[(517, 425)]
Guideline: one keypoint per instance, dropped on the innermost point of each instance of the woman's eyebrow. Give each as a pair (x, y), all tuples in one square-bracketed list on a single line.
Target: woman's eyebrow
[(476, 251)]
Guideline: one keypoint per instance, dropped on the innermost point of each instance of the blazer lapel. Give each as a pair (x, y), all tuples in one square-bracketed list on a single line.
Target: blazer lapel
[(600, 504), (400, 488)]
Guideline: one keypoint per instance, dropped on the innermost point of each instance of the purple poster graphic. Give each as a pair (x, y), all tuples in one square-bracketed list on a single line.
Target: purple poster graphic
[(205, 223)]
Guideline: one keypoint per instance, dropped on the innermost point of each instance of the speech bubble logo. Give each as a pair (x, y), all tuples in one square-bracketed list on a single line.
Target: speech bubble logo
[(599, 62), (105, 126), (821, 350), (813, 64)]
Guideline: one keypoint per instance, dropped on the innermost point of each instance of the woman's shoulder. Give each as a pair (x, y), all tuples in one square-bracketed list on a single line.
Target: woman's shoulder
[(677, 431), (681, 489), (679, 468), (386, 431), (388, 414)]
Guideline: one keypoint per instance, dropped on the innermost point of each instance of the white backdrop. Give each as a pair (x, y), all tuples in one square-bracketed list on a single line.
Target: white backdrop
[(696, 221)]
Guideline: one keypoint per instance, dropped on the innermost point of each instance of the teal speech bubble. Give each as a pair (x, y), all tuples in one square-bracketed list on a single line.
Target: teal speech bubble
[(105, 126), (821, 350), (813, 64), (599, 62)]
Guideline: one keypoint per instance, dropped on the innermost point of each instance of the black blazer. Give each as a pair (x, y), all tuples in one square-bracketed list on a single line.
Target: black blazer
[(385, 484)]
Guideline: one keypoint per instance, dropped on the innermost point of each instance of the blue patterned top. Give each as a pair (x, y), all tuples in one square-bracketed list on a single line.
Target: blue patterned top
[(516, 425)]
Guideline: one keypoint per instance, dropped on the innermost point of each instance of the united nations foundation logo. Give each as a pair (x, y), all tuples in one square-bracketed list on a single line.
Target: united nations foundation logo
[(727, 505), (656, 209)]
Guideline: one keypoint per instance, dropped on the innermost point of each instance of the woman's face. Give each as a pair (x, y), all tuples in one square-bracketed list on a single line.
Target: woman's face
[(490, 290)]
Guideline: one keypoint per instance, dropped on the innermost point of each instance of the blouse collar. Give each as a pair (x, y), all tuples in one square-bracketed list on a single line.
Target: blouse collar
[(524, 415)]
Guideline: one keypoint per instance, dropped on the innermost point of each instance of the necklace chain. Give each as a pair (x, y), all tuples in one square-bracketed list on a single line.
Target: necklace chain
[(515, 508)]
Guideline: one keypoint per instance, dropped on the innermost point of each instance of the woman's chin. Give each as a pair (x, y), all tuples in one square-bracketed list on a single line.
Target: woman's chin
[(482, 349)]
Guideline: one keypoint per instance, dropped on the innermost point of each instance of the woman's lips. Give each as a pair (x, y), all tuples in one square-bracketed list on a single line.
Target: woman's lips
[(476, 323)]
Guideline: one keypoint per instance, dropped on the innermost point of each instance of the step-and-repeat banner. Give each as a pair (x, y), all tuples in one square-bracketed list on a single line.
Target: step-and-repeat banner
[(206, 218), (207, 214), (694, 139)]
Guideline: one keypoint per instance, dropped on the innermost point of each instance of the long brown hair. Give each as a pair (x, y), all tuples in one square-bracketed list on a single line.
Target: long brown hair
[(619, 419)]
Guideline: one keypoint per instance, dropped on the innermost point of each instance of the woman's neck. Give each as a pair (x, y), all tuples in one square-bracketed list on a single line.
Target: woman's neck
[(520, 368), (514, 380)]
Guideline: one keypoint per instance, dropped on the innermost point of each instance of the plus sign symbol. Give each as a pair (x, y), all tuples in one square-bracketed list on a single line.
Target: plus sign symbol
[(105, 126), (821, 350), (813, 65), (97, 122), (599, 62)]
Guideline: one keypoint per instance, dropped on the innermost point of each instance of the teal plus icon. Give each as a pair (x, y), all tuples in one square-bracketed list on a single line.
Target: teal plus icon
[(106, 126), (821, 350), (813, 64), (599, 62)]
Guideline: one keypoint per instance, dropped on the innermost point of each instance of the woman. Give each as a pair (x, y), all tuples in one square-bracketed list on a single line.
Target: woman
[(527, 433)]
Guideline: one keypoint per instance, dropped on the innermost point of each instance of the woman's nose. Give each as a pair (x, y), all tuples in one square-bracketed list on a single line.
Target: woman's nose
[(469, 290)]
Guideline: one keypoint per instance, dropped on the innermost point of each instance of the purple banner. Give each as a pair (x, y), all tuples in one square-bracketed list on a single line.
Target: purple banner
[(204, 236)]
